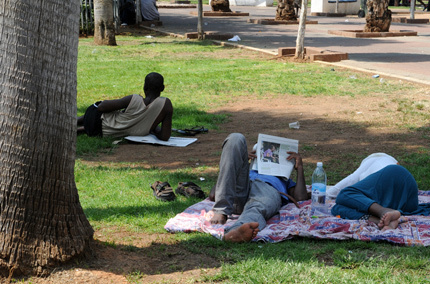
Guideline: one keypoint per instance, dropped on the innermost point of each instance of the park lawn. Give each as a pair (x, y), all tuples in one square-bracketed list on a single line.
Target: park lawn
[(201, 76)]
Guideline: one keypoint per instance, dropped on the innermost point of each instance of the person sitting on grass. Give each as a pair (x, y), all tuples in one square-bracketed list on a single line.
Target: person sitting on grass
[(149, 10), (131, 115), (382, 198), (254, 196)]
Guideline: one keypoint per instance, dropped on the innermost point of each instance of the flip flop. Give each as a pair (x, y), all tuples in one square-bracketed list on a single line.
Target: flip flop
[(192, 131), (163, 191), (190, 189)]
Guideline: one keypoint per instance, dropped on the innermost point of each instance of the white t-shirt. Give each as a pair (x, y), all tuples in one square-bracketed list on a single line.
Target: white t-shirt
[(368, 166)]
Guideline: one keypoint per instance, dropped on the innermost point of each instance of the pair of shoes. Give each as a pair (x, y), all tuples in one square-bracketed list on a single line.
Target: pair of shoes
[(192, 131), (190, 189), (163, 191)]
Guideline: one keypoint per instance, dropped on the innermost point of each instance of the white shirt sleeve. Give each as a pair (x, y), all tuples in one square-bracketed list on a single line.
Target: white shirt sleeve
[(368, 166)]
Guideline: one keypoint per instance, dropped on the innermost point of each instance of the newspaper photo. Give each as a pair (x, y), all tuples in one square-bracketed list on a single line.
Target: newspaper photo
[(272, 155)]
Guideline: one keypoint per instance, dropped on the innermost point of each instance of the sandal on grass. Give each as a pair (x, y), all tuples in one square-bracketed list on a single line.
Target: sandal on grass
[(190, 189), (192, 131), (163, 191)]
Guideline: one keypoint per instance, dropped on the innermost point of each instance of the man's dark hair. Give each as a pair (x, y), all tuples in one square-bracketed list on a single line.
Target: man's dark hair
[(154, 82)]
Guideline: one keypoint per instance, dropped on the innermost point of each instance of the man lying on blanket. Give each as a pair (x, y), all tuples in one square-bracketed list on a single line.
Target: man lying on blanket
[(255, 197)]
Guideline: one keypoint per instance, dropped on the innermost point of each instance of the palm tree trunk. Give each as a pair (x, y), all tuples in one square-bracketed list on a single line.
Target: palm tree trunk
[(42, 223), (378, 18), (285, 11), (220, 5)]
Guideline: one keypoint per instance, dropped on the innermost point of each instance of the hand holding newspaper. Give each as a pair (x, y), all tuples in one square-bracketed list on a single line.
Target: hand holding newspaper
[(272, 155)]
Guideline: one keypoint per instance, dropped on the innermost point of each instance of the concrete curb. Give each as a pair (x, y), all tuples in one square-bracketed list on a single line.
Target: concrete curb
[(381, 74)]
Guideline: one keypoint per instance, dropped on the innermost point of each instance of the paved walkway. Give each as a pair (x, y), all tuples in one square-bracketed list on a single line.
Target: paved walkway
[(406, 58)]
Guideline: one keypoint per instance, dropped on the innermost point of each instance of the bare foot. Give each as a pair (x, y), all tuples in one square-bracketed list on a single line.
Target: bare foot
[(389, 220), (218, 218), (245, 233)]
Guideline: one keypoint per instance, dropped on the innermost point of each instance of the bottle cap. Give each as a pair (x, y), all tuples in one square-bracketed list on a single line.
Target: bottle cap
[(319, 164)]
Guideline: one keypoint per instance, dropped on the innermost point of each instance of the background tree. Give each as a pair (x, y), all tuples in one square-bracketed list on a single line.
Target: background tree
[(285, 11), (220, 5), (378, 18), (42, 223), (300, 41), (104, 26), (200, 31)]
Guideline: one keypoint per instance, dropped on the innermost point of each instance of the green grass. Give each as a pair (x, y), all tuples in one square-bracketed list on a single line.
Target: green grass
[(199, 77), (120, 194)]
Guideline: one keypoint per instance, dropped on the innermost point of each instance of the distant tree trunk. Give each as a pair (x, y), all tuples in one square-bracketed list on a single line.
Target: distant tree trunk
[(300, 42), (285, 11), (42, 223), (412, 9), (378, 18), (220, 5), (104, 26), (200, 32)]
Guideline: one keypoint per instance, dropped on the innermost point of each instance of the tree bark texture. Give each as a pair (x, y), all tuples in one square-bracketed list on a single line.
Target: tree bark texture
[(104, 25), (378, 18), (220, 5), (285, 11), (42, 223)]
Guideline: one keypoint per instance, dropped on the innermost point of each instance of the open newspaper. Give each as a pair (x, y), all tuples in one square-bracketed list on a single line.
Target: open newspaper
[(272, 155), (152, 139)]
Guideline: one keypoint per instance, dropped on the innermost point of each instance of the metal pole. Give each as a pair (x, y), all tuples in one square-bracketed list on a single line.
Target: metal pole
[(138, 12), (116, 19), (90, 19)]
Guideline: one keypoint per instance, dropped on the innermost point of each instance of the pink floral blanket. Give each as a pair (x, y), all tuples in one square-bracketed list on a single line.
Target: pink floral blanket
[(292, 221)]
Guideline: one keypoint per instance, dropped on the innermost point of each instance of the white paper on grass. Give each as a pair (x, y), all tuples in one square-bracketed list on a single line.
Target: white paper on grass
[(235, 38), (278, 167), (152, 139)]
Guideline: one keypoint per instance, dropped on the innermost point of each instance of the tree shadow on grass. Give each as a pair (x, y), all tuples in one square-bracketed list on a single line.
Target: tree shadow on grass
[(200, 257), (341, 139)]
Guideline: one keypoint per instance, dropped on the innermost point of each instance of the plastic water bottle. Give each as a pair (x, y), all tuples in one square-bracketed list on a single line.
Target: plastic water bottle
[(319, 184)]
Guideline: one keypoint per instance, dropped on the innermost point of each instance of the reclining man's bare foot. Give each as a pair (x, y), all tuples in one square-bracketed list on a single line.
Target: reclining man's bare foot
[(389, 220), (218, 218), (245, 233)]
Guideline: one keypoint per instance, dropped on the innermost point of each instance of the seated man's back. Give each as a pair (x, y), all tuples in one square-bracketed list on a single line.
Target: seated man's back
[(149, 10)]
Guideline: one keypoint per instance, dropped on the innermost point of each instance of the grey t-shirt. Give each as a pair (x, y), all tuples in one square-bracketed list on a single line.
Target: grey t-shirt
[(136, 120), (149, 10)]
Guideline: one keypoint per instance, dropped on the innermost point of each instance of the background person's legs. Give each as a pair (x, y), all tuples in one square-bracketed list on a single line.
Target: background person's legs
[(351, 204)]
